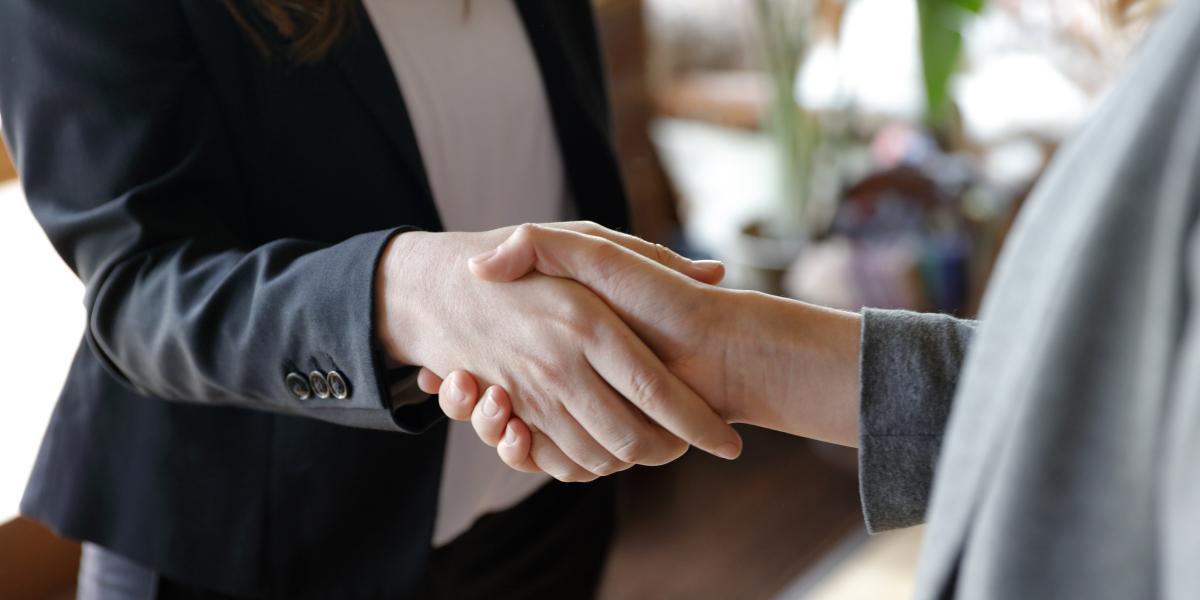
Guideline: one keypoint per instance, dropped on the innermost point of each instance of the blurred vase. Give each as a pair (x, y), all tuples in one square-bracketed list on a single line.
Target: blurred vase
[(759, 256)]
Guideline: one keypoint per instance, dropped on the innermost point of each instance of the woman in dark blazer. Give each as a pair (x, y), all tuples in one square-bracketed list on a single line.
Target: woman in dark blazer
[(241, 188)]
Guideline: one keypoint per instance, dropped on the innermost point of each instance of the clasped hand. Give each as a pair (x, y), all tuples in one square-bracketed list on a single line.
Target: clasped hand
[(633, 359), (596, 387)]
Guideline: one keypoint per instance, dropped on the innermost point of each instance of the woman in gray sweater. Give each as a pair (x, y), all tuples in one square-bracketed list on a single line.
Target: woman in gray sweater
[(1052, 446)]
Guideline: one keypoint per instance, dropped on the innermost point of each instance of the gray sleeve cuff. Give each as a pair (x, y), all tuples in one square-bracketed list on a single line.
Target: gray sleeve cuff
[(909, 371)]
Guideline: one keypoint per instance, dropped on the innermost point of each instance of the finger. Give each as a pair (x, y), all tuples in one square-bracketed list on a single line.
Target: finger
[(633, 286), (491, 415), (628, 365), (705, 271), (514, 447), (620, 428), (580, 447), (458, 394), (428, 381), (638, 375), (554, 462), (525, 250)]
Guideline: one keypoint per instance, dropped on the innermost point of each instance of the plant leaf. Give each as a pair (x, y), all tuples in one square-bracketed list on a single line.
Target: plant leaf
[(941, 23)]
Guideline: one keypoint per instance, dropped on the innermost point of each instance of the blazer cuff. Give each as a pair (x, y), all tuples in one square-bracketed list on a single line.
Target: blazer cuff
[(350, 347), (909, 372)]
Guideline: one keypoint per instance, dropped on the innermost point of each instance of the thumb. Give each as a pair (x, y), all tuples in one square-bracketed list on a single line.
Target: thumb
[(511, 260), (553, 252), (597, 263)]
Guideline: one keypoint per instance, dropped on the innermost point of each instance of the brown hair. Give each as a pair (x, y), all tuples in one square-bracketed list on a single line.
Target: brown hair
[(310, 28), (299, 31)]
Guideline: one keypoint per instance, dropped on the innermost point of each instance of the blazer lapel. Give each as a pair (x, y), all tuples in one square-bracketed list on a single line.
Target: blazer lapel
[(563, 36), (364, 63), (571, 77)]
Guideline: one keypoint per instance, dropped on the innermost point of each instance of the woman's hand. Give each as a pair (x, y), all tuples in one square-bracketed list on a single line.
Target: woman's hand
[(757, 359), (594, 397)]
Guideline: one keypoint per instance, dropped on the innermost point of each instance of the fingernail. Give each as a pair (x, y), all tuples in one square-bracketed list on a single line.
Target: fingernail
[(460, 393), (484, 257), (490, 408), (728, 451), (708, 265), (510, 436)]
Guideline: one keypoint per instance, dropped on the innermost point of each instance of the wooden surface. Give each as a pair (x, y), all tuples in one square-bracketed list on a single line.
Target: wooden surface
[(6, 167), (707, 528), (733, 99), (34, 563)]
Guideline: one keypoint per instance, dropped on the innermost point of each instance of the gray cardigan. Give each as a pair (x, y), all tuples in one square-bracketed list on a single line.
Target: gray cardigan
[(1054, 447)]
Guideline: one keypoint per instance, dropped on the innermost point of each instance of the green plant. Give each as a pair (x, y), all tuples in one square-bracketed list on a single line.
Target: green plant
[(786, 28), (941, 24)]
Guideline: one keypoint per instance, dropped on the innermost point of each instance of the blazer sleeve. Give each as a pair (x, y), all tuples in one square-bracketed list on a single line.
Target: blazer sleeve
[(910, 364), (128, 167)]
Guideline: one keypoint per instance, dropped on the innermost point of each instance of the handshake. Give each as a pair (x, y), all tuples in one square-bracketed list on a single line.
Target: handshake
[(595, 351)]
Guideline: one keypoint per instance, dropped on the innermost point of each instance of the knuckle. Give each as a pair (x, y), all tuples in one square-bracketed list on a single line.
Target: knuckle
[(524, 230), (648, 388), (548, 374), (579, 319), (631, 449), (606, 258), (610, 265), (662, 255), (574, 310), (588, 227), (607, 467)]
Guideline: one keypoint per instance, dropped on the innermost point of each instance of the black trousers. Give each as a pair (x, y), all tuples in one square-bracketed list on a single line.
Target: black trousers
[(551, 545)]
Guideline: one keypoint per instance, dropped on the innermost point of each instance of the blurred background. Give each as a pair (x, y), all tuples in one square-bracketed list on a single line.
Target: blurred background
[(846, 152)]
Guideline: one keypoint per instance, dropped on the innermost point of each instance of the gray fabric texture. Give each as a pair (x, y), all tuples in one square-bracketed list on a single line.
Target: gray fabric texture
[(1068, 463), (910, 367)]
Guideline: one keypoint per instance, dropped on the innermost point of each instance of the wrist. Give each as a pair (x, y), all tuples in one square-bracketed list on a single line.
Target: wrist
[(796, 367), (399, 269)]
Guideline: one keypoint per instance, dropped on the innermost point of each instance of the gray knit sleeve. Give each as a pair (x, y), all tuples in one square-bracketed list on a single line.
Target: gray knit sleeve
[(909, 371)]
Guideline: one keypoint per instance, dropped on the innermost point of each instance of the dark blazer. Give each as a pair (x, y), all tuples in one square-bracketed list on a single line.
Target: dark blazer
[(226, 213)]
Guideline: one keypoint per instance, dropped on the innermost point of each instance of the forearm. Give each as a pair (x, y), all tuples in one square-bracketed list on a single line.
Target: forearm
[(187, 298), (794, 367), (220, 327)]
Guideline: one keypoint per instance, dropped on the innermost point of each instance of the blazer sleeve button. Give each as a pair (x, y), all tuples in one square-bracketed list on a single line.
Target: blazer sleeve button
[(319, 385), (297, 384), (338, 385)]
